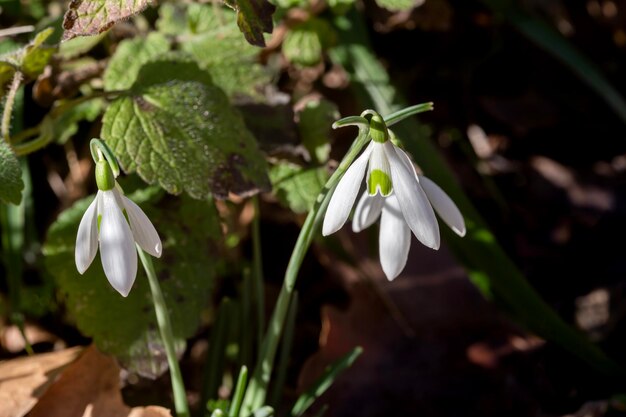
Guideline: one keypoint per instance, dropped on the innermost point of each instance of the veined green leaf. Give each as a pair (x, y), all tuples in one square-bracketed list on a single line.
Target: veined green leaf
[(253, 18), (297, 187), (11, 184), (179, 130), (90, 17), (232, 63)]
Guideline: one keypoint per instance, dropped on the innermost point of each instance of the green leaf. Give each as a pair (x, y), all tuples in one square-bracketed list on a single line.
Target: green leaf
[(340, 7), (36, 55), (253, 18), (232, 63), (180, 19), (75, 47), (11, 184), (90, 17), (315, 120), (305, 43), (397, 5), (30, 60), (325, 381), (126, 327), (129, 57), (297, 187), (64, 126), (178, 129)]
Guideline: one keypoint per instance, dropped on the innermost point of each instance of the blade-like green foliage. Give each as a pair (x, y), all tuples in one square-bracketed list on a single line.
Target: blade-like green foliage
[(325, 381)]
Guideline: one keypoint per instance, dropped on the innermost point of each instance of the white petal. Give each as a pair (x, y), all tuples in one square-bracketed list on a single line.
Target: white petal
[(144, 232), (395, 239), (117, 246), (345, 193), (87, 237), (417, 211), (378, 175), (367, 211), (443, 205)]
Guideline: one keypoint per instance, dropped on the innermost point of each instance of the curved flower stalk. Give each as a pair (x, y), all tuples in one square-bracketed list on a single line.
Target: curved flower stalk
[(402, 199), (114, 223)]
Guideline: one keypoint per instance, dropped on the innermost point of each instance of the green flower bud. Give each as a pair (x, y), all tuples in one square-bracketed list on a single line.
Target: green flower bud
[(104, 176)]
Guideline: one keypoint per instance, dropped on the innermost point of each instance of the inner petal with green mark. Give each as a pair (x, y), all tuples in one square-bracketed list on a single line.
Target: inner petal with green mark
[(379, 181), (379, 173)]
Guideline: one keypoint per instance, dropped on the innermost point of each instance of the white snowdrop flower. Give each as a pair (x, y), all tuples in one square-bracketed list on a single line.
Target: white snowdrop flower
[(115, 223), (403, 200)]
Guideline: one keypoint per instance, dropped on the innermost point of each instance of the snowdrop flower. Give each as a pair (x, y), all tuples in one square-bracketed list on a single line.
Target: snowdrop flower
[(115, 223), (402, 199)]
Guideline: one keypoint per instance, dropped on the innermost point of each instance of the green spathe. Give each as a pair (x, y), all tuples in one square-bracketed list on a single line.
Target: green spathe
[(378, 129), (104, 176), (379, 181)]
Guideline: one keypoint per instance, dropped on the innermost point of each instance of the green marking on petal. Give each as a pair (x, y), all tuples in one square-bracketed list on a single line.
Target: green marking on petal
[(379, 181)]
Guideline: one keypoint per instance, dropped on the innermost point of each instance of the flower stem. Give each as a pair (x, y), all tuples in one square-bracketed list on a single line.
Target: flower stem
[(257, 274), (8, 105), (257, 390), (165, 327)]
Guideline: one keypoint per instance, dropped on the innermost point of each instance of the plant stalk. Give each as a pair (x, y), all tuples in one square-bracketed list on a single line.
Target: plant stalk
[(257, 390), (165, 328)]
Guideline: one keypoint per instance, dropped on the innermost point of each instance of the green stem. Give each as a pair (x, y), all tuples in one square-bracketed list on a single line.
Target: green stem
[(8, 105), (257, 276), (25, 134), (257, 390), (165, 327), (44, 139)]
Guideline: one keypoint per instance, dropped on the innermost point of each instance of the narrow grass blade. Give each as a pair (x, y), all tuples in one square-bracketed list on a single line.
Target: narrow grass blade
[(285, 353), (246, 324), (214, 365), (240, 388), (257, 273), (325, 381)]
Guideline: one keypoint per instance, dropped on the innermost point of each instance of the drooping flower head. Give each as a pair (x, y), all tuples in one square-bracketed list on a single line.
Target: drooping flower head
[(114, 223), (394, 192)]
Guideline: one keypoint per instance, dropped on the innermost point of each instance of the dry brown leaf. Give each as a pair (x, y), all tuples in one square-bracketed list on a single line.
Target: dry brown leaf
[(24, 380), (90, 387)]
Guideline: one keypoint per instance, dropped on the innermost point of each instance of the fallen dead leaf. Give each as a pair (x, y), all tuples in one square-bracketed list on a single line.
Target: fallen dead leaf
[(24, 380), (90, 387)]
